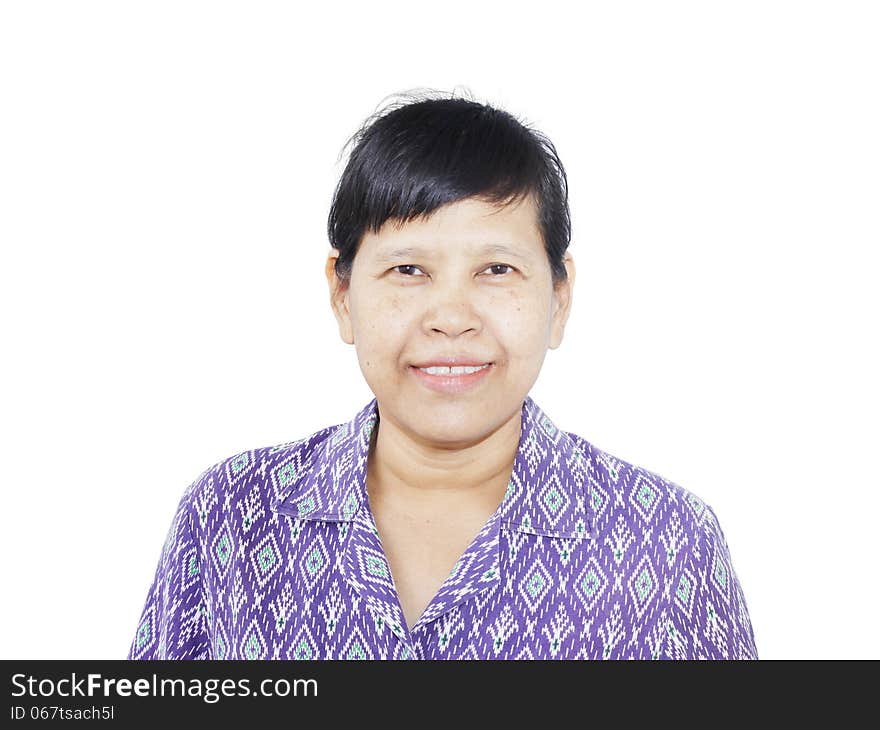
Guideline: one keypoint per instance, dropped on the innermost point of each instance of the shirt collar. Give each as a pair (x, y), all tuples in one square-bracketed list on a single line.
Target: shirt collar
[(550, 491)]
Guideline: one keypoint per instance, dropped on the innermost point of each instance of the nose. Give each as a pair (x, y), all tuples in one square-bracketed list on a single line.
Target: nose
[(451, 309)]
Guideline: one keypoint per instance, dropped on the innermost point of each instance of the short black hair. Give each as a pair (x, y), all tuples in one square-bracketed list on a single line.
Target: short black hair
[(424, 151)]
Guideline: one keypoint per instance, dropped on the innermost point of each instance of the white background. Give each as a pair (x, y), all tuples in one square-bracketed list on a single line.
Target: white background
[(166, 170)]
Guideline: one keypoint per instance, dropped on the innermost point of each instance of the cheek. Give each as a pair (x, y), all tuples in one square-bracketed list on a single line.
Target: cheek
[(371, 313), (523, 329), (518, 315), (384, 329)]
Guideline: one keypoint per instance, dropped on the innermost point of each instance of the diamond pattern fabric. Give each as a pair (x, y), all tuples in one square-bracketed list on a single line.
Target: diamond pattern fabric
[(274, 553)]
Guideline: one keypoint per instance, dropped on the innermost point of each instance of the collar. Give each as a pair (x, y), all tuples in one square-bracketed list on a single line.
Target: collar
[(550, 491)]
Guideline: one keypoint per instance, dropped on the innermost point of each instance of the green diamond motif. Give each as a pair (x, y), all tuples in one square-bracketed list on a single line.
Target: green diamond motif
[(266, 558), (350, 505), (535, 584), (356, 652), (252, 648), (721, 574), (143, 635), (223, 549), (303, 650), (315, 561), (240, 463), (646, 495), (684, 589), (376, 566), (305, 506), (643, 585), (286, 474), (552, 500), (590, 583), (193, 566)]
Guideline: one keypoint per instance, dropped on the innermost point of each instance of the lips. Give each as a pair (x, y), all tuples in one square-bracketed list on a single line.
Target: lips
[(453, 383), (462, 360), (456, 371)]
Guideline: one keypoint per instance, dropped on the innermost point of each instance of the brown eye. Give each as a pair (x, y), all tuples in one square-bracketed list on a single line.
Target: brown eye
[(405, 266), (499, 266)]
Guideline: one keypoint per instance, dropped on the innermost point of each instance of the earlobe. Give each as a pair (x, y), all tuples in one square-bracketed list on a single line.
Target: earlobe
[(338, 298), (563, 296), (339, 304)]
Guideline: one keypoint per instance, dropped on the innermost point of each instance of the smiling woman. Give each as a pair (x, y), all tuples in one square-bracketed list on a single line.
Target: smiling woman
[(450, 518), (454, 306)]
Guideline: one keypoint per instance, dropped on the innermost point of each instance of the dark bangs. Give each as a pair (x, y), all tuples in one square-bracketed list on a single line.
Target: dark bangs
[(414, 157)]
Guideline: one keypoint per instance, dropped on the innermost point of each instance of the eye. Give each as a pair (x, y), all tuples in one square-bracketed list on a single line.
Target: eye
[(404, 266), (499, 266)]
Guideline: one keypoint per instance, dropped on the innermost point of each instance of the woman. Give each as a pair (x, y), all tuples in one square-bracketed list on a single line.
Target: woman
[(450, 518)]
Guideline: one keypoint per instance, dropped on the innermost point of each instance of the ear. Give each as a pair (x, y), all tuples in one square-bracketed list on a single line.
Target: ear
[(339, 300), (562, 295)]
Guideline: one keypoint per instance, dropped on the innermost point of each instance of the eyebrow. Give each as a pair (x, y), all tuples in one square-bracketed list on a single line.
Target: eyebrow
[(408, 251)]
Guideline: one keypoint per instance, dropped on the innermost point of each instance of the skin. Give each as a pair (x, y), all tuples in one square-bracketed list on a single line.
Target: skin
[(439, 463)]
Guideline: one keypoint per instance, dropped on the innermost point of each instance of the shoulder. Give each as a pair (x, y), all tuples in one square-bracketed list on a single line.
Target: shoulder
[(627, 494), (235, 493)]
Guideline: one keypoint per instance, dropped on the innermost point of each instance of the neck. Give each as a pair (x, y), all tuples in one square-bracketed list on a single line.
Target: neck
[(405, 470)]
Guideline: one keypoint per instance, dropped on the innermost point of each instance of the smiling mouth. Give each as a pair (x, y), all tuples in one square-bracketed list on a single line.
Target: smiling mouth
[(456, 380), (453, 371)]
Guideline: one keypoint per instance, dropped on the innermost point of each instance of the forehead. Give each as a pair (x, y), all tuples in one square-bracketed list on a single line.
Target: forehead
[(466, 226)]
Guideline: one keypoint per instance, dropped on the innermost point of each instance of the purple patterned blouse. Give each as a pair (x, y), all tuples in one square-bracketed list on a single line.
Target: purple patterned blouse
[(274, 554)]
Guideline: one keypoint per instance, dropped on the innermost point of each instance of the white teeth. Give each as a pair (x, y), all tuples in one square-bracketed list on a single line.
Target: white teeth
[(457, 370)]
